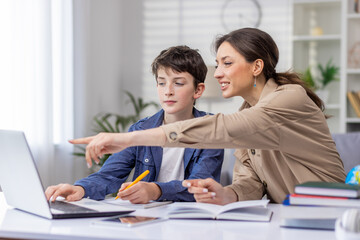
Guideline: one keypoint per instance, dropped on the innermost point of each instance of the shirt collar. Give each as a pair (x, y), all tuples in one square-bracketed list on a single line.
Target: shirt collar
[(269, 87)]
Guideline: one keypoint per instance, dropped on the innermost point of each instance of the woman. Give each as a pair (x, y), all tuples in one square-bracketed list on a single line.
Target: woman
[(280, 131)]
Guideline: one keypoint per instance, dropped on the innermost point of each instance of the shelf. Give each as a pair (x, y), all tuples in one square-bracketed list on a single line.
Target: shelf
[(324, 17), (332, 106), (353, 71), (313, 2), (353, 120), (316, 38), (353, 16)]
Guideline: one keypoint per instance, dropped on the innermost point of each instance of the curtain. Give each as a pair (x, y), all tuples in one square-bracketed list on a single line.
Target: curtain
[(36, 93)]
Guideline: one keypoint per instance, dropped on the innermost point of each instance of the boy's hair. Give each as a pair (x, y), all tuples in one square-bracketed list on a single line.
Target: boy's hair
[(181, 59)]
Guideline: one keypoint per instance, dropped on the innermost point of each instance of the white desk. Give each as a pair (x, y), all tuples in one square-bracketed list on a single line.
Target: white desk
[(18, 224)]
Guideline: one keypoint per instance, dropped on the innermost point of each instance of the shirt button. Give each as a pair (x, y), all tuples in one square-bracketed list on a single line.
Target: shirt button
[(146, 160), (253, 151), (173, 136)]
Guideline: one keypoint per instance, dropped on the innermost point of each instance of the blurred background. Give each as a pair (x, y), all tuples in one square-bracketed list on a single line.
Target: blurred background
[(71, 68)]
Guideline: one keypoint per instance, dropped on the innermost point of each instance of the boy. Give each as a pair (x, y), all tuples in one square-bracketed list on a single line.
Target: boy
[(180, 74)]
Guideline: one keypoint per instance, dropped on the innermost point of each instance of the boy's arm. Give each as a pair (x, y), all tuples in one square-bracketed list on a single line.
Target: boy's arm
[(111, 175), (207, 165)]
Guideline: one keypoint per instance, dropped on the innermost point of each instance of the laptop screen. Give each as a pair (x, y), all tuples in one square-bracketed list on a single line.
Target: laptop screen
[(19, 177), (22, 186)]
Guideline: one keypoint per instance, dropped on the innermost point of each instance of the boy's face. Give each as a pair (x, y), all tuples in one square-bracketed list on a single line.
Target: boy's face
[(176, 91)]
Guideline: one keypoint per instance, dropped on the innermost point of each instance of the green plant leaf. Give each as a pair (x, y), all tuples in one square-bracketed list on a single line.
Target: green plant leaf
[(78, 154), (80, 147), (100, 127), (122, 121), (308, 79), (329, 73), (139, 105), (107, 123), (134, 103)]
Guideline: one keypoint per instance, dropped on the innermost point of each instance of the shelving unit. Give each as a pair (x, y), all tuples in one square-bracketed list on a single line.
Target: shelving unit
[(317, 38), (351, 74)]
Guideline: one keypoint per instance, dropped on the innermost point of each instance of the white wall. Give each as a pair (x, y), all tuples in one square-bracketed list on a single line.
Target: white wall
[(107, 56), (97, 70)]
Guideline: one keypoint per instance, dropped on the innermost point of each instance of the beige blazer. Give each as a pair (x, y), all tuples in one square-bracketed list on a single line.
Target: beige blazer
[(282, 141)]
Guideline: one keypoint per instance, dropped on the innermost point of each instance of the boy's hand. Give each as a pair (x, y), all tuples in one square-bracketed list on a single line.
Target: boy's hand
[(141, 192), (210, 191), (69, 192)]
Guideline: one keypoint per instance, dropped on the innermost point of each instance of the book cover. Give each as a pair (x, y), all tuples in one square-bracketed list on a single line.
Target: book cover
[(354, 101), (254, 210), (328, 189), (298, 199)]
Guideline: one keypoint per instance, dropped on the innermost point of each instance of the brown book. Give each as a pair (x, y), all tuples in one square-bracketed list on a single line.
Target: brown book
[(354, 101), (358, 95)]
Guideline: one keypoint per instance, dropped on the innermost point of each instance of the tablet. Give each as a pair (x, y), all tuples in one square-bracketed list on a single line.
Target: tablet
[(128, 221)]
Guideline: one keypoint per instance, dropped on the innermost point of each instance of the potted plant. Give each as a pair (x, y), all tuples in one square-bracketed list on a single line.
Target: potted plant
[(327, 74), (112, 122)]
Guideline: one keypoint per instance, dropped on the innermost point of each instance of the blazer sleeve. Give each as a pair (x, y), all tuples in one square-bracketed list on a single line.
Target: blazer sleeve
[(246, 184), (244, 129), (111, 175), (206, 165)]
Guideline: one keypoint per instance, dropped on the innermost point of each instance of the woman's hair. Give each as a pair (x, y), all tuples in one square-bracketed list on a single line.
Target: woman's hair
[(255, 44), (181, 59)]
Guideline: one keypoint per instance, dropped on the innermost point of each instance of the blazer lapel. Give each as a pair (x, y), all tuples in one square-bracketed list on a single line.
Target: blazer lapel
[(189, 152)]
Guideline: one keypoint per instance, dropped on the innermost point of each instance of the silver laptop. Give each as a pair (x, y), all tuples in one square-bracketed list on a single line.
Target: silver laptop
[(22, 187)]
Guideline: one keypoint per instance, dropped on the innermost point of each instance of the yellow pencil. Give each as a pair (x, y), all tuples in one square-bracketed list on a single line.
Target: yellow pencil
[(138, 179)]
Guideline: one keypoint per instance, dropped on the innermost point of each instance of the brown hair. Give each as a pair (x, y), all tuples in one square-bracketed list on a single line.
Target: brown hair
[(254, 44), (181, 59)]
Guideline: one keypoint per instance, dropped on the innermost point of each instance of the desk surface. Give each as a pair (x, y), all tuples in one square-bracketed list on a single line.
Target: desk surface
[(18, 224)]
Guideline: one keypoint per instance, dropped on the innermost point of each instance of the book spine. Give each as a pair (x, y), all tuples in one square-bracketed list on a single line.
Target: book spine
[(326, 192), (323, 201)]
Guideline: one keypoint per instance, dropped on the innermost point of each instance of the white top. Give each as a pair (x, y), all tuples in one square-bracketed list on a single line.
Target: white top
[(172, 165)]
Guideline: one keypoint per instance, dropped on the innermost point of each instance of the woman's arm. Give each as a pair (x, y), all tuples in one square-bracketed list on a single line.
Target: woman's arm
[(104, 143)]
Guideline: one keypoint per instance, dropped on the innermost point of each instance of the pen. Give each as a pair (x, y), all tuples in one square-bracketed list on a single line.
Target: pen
[(139, 178)]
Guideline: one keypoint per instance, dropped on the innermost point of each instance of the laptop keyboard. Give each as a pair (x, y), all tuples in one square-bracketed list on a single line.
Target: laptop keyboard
[(68, 207)]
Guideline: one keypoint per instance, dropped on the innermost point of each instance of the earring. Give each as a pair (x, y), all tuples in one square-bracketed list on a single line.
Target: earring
[(255, 81)]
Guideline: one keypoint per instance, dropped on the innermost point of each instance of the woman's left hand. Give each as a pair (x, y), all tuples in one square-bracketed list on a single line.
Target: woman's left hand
[(210, 191)]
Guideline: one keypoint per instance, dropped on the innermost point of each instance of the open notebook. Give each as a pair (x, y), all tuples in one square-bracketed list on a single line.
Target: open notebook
[(22, 187)]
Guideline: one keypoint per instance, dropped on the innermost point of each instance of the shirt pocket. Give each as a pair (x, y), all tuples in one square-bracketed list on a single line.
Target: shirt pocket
[(144, 164)]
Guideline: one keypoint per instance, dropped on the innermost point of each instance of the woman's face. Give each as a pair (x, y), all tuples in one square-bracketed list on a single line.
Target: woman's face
[(233, 72)]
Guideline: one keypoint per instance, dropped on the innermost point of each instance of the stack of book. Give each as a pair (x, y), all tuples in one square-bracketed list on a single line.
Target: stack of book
[(326, 194)]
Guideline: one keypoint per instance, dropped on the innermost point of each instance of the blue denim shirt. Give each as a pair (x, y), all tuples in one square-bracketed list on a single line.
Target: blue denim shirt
[(198, 163)]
